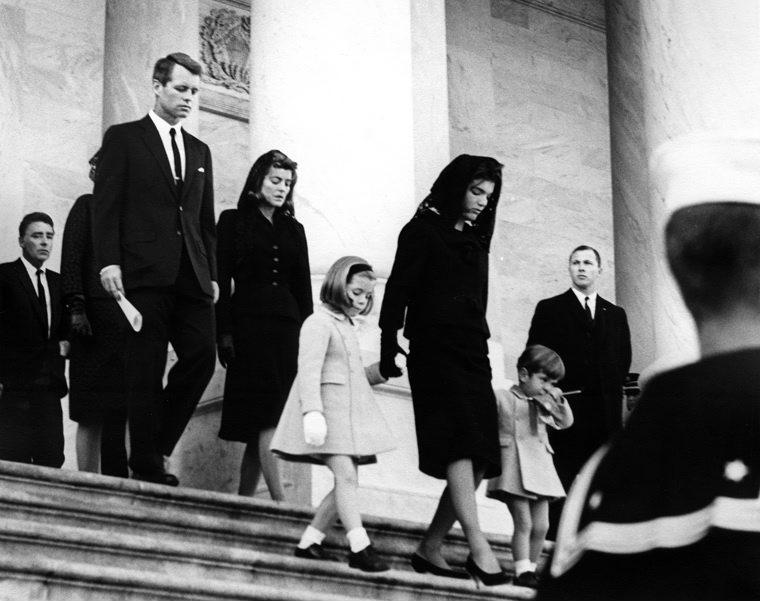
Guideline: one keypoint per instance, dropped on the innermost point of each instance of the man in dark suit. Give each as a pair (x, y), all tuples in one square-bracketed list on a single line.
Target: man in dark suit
[(154, 239), (592, 337), (32, 379)]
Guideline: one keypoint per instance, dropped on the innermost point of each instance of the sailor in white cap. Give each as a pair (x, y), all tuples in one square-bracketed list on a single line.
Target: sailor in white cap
[(671, 509)]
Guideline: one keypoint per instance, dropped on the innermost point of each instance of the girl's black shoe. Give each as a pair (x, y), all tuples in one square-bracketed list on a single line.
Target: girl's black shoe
[(367, 560), (423, 566), (315, 551), (528, 579), (487, 578)]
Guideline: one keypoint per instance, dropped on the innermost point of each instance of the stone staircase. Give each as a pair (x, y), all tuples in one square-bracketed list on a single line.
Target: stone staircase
[(70, 536)]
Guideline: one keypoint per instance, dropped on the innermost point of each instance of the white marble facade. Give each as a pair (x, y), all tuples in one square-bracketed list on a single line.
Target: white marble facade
[(389, 97)]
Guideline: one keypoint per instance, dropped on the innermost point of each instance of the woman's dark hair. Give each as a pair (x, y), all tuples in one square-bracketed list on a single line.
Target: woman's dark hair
[(448, 191), (539, 358), (259, 170)]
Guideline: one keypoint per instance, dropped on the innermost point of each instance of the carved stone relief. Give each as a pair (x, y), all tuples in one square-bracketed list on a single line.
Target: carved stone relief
[(225, 43)]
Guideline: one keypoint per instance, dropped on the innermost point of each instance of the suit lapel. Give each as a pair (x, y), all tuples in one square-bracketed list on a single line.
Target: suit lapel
[(153, 142), (26, 284), (600, 319), (55, 305)]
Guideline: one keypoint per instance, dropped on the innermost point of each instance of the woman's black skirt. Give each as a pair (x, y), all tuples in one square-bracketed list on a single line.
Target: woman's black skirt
[(454, 406), (96, 366), (259, 379)]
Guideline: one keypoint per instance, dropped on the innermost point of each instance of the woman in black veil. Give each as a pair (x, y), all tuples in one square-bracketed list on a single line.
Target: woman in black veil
[(437, 291)]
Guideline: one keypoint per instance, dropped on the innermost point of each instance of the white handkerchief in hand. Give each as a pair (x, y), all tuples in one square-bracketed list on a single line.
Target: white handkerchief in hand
[(133, 315)]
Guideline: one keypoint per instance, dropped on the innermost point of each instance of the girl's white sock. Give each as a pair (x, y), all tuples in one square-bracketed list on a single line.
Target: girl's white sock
[(357, 539), (533, 566), (523, 565), (311, 536)]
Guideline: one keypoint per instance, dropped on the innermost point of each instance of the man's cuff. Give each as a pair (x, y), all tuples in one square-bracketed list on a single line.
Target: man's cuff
[(106, 268)]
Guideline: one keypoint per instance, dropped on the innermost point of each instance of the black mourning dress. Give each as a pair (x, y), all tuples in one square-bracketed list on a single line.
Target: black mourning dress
[(96, 370), (440, 276), (269, 264)]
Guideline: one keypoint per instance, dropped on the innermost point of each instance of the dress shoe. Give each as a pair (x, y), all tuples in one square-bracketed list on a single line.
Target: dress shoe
[(367, 560), (159, 478), (486, 578), (314, 551), (423, 566), (528, 579)]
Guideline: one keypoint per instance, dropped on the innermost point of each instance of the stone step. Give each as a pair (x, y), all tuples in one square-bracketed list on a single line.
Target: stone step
[(215, 563), (46, 495), (44, 579)]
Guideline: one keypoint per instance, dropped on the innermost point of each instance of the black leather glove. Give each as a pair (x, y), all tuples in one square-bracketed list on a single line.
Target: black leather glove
[(80, 324), (389, 348), (226, 350)]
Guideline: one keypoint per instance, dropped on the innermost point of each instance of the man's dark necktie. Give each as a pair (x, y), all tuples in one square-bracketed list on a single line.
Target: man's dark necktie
[(177, 161), (589, 317), (42, 300)]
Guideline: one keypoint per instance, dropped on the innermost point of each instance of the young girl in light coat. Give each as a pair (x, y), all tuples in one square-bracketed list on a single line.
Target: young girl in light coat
[(528, 478), (331, 416)]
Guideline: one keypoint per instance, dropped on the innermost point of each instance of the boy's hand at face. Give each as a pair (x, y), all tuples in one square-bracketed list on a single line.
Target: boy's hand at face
[(555, 393)]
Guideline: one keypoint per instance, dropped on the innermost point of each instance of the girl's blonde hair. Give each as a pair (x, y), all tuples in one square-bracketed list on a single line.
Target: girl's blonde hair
[(336, 280)]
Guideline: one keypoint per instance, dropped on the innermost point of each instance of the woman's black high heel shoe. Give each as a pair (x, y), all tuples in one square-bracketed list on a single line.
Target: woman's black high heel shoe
[(481, 576), (423, 566)]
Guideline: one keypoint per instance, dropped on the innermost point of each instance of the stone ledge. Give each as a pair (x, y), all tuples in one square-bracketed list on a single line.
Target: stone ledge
[(56, 580), (220, 563), (193, 497)]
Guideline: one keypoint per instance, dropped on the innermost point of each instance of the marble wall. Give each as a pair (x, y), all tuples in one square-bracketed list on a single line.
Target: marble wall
[(675, 68), (528, 85), (51, 89)]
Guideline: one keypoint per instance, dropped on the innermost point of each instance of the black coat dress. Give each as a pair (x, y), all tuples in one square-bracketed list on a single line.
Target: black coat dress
[(440, 277), (96, 370), (269, 264)]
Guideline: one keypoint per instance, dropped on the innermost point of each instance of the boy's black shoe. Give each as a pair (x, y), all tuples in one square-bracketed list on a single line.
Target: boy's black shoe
[(314, 551), (367, 560), (528, 579)]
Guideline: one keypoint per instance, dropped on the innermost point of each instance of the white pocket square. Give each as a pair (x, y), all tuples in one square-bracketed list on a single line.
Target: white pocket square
[(201, 170)]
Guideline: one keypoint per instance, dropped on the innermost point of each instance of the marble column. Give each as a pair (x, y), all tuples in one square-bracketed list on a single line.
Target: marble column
[(11, 164), (357, 94), (675, 67), (348, 89), (138, 33)]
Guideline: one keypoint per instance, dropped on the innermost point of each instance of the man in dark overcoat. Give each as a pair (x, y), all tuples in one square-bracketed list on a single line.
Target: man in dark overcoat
[(154, 239), (591, 335)]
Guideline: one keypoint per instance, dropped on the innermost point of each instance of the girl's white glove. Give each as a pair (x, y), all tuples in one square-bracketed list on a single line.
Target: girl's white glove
[(314, 428)]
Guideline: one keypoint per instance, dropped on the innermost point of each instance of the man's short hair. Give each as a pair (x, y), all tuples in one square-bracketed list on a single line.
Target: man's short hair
[(539, 358), (714, 253), (32, 218), (586, 247), (162, 71)]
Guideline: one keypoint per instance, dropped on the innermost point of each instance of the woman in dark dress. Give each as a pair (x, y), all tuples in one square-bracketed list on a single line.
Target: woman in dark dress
[(440, 279), (98, 341), (262, 248)]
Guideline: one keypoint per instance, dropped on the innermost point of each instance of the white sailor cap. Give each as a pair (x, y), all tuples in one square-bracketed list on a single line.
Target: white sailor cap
[(707, 167)]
